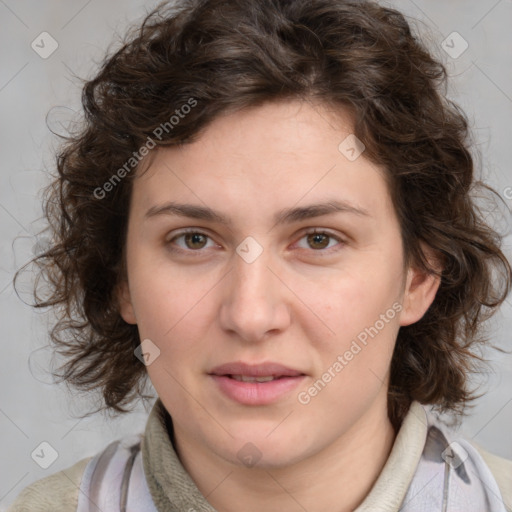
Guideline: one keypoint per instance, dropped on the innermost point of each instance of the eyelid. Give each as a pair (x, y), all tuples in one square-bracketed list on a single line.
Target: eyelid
[(185, 231), (323, 231)]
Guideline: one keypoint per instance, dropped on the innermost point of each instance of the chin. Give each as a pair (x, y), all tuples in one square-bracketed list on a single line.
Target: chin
[(264, 451)]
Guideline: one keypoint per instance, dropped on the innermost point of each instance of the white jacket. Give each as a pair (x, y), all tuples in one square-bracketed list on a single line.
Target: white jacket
[(428, 470)]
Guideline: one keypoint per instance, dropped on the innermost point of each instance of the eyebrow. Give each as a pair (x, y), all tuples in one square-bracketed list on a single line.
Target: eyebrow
[(285, 216)]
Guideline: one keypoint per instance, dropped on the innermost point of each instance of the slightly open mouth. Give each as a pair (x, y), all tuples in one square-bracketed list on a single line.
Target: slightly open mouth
[(245, 378), (256, 390)]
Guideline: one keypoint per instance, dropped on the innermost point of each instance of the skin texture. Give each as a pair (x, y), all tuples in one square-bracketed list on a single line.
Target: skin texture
[(206, 305)]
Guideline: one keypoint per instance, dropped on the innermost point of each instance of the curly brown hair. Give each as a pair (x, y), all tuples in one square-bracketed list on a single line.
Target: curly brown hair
[(230, 54)]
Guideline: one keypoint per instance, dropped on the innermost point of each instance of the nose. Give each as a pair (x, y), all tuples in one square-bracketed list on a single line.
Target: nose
[(255, 301)]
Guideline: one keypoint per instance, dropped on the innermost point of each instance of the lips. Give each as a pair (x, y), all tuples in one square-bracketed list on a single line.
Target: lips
[(256, 384), (240, 369)]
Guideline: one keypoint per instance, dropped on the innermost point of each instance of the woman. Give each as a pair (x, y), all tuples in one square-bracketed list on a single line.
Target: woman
[(269, 212)]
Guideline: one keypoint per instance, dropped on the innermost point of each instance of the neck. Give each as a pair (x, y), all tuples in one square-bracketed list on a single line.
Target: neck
[(336, 478)]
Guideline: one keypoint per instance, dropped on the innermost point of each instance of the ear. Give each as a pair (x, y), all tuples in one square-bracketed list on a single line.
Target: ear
[(420, 289), (125, 303)]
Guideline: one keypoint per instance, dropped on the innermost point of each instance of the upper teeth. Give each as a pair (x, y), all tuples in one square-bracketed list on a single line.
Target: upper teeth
[(245, 378)]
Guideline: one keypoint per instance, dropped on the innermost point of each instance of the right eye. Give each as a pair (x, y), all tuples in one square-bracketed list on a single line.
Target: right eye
[(193, 240)]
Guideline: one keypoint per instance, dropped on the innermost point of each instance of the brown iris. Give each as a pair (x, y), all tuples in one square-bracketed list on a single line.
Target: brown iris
[(315, 237), (194, 237)]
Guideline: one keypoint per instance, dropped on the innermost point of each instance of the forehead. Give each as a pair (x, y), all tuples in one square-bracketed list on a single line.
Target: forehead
[(265, 158)]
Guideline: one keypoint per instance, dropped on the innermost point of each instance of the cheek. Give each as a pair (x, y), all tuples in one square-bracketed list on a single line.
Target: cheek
[(360, 352), (353, 301), (172, 311), (359, 314)]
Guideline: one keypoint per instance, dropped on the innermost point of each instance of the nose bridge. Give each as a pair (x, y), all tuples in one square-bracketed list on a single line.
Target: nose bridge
[(254, 302)]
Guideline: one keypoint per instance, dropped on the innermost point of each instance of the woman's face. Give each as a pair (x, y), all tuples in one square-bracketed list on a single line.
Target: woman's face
[(254, 286)]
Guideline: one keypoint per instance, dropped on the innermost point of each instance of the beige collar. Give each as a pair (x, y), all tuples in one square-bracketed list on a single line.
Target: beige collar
[(391, 486), (172, 489)]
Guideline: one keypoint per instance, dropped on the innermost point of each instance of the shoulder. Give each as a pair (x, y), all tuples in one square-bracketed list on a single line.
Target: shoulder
[(501, 469), (54, 493)]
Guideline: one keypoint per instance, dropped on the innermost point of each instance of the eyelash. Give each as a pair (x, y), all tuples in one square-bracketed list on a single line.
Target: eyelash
[(197, 232)]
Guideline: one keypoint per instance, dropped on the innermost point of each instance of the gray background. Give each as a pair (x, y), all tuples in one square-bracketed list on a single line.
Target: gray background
[(32, 410)]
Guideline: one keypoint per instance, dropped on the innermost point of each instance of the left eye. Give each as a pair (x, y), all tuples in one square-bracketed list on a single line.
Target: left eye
[(319, 240)]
